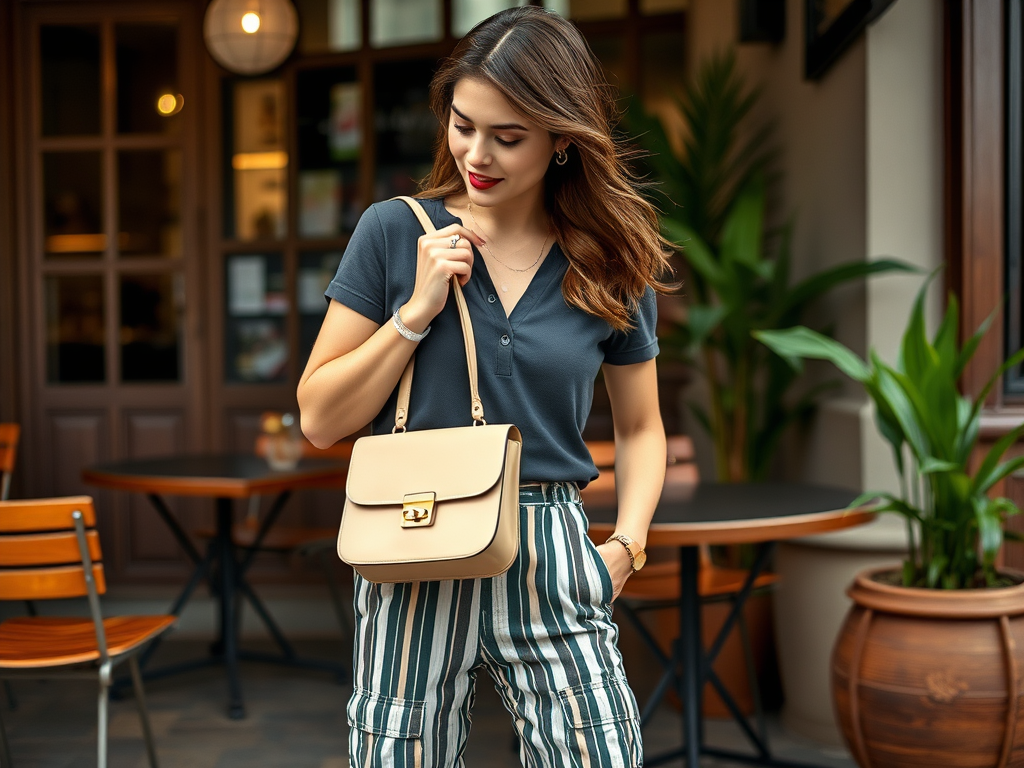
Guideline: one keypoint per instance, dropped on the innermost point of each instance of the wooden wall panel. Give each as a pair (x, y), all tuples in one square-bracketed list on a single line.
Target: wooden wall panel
[(77, 440)]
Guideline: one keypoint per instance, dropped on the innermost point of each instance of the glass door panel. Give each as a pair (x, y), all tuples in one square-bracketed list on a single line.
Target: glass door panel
[(149, 98), (70, 68), (255, 331), (466, 14), (316, 270), (74, 306), (150, 337), (259, 161), (73, 204), (404, 22), (329, 25), (149, 202), (406, 128), (330, 141)]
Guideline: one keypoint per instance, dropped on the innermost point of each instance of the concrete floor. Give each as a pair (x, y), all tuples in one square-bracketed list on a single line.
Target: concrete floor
[(295, 719)]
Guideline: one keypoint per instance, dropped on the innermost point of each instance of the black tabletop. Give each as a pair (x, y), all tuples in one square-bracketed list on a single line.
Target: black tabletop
[(723, 512), (240, 466)]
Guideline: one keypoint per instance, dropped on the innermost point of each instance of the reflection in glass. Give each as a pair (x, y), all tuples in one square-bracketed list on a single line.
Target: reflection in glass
[(150, 342), (255, 343), (73, 204), (589, 10), (611, 52), (74, 329), (330, 134), (466, 14), (401, 22), (406, 128), (259, 161), (662, 61), (651, 7), (316, 270), (70, 69), (149, 202), (328, 25), (147, 78)]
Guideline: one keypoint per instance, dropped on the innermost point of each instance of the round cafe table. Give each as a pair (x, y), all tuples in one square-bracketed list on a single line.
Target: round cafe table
[(719, 513), (223, 477)]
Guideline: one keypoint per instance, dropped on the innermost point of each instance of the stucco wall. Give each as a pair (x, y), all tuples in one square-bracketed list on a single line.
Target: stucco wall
[(861, 154)]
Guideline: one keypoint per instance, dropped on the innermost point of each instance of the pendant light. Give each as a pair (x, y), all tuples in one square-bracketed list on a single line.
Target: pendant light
[(250, 37)]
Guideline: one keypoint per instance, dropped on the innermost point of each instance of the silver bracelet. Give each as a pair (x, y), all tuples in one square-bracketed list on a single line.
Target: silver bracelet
[(410, 335)]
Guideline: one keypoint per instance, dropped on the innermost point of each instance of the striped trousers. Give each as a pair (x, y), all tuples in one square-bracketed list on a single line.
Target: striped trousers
[(542, 630)]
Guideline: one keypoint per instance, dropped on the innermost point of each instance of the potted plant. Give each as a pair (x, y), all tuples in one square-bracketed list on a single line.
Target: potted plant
[(927, 667), (714, 198)]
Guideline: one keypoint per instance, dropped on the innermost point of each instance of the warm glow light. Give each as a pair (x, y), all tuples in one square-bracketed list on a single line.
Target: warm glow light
[(170, 104), (259, 161), (251, 22)]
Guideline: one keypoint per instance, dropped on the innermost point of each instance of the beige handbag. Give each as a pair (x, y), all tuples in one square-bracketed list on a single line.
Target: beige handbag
[(438, 503)]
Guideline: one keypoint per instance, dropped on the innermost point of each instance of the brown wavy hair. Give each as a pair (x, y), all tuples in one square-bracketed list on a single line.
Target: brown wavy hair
[(545, 69)]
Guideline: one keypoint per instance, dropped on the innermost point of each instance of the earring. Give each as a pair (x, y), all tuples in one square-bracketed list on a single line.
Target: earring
[(561, 157)]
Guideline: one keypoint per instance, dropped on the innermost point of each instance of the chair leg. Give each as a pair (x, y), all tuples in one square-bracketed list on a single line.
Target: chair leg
[(102, 706), (140, 702), (5, 750), (12, 701), (755, 688), (326, 562)]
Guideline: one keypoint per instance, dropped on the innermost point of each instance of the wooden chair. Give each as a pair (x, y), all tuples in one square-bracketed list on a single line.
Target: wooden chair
[(656, 586), (9, 434), (51, 550)]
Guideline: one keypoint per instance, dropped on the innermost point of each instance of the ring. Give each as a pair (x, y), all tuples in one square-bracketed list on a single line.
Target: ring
[(455, 241)]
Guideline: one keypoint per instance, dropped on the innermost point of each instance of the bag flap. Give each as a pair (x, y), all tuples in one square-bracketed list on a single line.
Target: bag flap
[(454, 463)]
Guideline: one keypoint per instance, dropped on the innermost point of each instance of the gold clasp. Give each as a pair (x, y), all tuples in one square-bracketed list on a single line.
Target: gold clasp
[(417, 510)]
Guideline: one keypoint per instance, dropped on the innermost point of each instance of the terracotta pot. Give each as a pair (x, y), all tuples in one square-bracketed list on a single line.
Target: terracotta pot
[(929, 678)]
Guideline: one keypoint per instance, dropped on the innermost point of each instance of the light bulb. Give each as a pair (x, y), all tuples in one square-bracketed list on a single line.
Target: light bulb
[(251, 22)]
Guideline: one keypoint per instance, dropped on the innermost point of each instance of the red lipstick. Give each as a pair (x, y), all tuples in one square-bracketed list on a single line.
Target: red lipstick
[(482, 182)]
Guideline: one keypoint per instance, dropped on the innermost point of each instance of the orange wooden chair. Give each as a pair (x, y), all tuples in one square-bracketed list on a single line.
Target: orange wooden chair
[(656, 586), (9, 434), (51, 550)]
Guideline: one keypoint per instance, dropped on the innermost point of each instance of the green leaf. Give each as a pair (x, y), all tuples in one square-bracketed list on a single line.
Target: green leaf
[(696, 252), (803, 342), (822, 282), (743, 229), (703, 320), (988, 474), (934, 570), (931, 465)]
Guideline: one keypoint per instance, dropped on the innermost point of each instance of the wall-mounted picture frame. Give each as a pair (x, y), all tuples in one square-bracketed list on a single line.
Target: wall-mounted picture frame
[(830, 26)]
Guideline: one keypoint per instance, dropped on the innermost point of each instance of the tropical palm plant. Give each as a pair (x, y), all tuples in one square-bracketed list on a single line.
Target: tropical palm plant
[(955, 529), (714, 196)]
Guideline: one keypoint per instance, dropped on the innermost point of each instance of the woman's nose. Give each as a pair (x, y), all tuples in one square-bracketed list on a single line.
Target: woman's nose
[(478, 154)]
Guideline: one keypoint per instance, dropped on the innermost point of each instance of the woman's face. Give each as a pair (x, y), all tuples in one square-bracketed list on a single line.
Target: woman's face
[(501, 155)]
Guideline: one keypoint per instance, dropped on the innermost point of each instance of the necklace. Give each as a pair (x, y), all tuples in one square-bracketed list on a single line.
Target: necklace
[(506, 266)]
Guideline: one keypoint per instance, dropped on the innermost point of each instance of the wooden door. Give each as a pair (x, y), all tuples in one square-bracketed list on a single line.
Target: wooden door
[(110, 254)]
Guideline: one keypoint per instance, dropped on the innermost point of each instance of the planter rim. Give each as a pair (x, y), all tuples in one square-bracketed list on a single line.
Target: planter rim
[(946, 603)]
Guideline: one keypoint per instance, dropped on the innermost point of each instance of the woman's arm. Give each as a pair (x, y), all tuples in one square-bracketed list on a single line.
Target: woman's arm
[(640, 457), (355, 364)]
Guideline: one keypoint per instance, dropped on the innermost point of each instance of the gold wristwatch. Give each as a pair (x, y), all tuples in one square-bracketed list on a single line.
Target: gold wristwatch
[(637, 556)]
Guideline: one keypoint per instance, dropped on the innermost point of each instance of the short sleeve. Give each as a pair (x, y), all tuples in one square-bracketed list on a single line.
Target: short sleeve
[(639, 343), (361, 280)]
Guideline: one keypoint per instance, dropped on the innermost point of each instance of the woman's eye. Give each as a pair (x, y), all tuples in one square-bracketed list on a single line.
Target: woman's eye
[(507, 143), (465, 130)]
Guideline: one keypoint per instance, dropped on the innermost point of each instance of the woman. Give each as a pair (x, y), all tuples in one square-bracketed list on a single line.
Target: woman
[(559, 258)]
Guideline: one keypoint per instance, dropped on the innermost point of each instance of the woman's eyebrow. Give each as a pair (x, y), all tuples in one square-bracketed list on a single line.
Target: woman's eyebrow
[(501, 127)]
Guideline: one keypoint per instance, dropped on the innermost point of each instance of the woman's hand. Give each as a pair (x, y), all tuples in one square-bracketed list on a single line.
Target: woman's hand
[(619, 565), (436, 263)]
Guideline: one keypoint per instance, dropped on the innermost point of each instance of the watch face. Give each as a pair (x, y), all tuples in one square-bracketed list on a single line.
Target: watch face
[(639, 559)]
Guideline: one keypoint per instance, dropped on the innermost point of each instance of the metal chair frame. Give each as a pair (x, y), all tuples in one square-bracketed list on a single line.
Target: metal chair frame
[(100, 670)]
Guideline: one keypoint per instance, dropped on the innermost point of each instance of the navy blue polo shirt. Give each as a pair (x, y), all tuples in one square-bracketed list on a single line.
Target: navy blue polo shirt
[(536, 367)]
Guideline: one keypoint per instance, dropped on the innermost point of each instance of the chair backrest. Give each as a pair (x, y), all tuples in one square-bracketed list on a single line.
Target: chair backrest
[(681, 459), (45, 551), (9, 434)]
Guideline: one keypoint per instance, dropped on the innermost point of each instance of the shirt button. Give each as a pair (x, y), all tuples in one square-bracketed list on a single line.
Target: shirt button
[(505, 341), (491, 299)]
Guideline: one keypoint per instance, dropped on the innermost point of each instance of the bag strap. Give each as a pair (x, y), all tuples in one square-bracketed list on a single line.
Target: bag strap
[(405, 384)]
